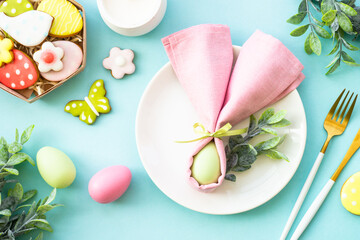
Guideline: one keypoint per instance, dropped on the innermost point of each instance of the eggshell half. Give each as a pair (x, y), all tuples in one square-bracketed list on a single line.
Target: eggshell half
[(109, 184), (55, 167)]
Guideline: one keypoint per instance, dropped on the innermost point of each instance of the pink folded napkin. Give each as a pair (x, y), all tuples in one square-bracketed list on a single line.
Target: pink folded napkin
[(202, 58)]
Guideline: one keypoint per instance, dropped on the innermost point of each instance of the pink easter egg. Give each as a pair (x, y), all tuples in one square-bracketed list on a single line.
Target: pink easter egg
[(109, 184)]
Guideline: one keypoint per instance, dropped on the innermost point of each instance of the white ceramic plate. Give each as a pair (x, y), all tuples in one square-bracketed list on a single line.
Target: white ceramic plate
[(165, 114)]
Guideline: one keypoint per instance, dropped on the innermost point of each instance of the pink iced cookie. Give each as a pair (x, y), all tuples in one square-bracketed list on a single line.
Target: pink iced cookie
[(72, 60), (120, 62)]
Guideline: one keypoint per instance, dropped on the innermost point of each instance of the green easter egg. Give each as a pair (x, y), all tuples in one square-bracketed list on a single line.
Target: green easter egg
[(55, 167), (206, 165)]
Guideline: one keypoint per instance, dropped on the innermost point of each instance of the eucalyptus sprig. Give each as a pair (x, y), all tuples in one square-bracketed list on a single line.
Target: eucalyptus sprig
[(240, 154), (10, 154), (312, 42), (18, 218), (339, 17)]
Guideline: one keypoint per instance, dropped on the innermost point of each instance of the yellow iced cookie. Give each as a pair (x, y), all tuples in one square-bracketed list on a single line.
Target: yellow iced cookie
[(67, 18), (350, 194), (6, 55)]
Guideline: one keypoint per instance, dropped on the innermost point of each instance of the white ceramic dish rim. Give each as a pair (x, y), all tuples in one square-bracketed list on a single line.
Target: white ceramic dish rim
[(278, 189), (110, 19)]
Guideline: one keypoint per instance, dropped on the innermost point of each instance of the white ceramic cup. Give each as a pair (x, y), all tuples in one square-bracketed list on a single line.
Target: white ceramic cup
[(132, 17)]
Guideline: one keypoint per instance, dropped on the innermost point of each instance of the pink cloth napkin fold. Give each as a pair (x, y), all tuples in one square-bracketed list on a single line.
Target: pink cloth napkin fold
[(202, 58)]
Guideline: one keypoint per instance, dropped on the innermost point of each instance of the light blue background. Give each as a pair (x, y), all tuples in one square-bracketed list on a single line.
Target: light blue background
[(144, 212)]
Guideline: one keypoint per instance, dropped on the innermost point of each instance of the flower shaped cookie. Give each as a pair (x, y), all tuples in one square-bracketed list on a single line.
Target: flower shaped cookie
[(6, 55), (120, 62), (49, 58)]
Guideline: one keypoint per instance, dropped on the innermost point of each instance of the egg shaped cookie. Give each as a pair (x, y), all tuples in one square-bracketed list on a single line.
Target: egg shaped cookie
[(21, 73), (350, 194), (13, 8), (67, 18), (72, 60)]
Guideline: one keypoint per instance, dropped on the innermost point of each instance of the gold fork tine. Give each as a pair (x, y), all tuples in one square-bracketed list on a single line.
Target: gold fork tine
[(332, 110), (346, 108), (348, 115), (341, 105), (333, 125)]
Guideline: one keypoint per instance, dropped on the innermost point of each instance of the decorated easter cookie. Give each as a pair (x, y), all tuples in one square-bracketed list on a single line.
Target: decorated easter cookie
[(67, 18), (13, 8), (6, 55), (21, 73), (72, 60), (49, 57), (350, 194), (120, 62), (29, 29), (93, 105)]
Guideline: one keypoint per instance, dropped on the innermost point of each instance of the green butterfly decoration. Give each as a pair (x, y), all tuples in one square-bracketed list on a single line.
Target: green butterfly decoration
[(94, 104)]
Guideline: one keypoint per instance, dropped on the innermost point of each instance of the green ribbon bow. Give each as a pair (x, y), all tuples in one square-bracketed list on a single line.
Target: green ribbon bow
[(222, 132)]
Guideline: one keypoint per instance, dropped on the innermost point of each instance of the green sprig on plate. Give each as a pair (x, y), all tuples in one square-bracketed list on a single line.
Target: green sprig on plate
[(339, 17), (240, 154)]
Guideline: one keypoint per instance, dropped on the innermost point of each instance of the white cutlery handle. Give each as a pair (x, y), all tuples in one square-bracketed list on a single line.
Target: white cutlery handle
[(302, 196), (312, 210)]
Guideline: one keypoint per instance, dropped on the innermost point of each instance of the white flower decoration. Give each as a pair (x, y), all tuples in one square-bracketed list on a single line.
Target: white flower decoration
[(49, 58)]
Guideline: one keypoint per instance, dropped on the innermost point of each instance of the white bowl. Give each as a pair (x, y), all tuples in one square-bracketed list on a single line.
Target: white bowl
[(132, 17)]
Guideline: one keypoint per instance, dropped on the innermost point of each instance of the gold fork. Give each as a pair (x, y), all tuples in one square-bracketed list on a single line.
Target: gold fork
[(335, 124)]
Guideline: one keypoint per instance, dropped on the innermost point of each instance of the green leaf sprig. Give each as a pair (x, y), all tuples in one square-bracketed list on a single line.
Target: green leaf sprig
[(10, 154), (18, 218), (336, 15), (312, 42), (240, 154)]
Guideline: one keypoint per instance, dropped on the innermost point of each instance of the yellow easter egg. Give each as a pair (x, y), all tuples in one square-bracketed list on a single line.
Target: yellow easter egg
[(350, 194), (67, 18)]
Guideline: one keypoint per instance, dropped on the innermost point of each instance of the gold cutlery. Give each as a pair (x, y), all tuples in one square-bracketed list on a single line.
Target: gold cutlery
[(334, 124), (326, 189)]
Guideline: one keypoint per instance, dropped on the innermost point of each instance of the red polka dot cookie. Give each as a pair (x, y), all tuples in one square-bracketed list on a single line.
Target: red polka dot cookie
[(21, 73)]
